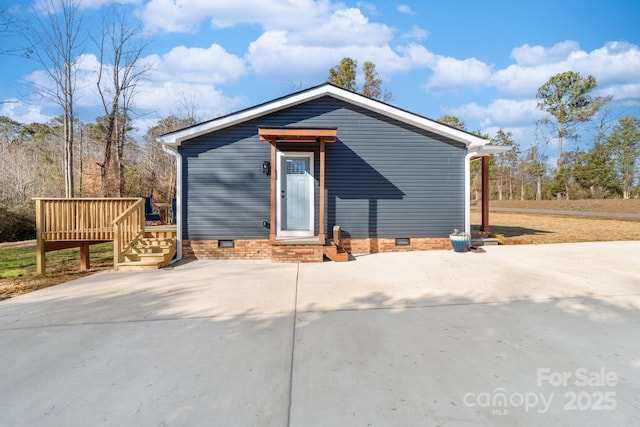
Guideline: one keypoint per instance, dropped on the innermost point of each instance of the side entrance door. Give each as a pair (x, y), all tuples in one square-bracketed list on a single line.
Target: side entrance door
[(296, 201)]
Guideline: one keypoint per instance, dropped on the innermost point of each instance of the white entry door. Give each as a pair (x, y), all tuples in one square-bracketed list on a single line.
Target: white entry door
[(296, 199)]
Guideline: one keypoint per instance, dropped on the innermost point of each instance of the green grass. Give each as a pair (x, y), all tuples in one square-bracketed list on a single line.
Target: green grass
[(11, 273), (22, 261)]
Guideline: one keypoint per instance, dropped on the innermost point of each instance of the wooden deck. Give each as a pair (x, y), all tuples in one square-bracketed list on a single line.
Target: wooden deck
[(63, 223)]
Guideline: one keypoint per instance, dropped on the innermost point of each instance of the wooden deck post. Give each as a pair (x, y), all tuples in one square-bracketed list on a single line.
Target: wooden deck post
[(485, 194), (117, 259), (321, 231), (274, 171), (40, 251), (85, 260)]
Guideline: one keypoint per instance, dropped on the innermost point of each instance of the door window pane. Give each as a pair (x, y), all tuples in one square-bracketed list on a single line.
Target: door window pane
[(296, 167)]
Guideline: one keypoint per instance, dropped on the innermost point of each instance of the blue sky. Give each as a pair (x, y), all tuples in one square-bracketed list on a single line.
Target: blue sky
[(480, 61)]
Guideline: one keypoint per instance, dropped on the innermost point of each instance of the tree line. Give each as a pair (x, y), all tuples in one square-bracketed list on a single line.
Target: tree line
[(608, 169), (70, 158)]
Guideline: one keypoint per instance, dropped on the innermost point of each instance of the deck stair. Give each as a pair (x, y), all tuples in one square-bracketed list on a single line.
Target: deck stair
[(335, 253), (333, 248), (151, 252)]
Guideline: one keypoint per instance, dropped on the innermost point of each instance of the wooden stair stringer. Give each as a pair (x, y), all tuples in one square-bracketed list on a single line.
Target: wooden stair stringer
[(335, 253), (151, 252)]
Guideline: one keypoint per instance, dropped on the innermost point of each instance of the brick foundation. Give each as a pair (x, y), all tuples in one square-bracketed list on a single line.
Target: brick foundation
[(372, 246), (243, 249), (263, 249)]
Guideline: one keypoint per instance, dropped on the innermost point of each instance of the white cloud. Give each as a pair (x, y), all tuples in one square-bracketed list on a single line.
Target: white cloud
[(275, 56), (317, 23), (212, 65), (24, 113), (614, 66), (163, 98), (300, 39), (516, 80), (187, 15), (501, 112), (86, 95), (615, 62), (413, 56), (416, 33), (182, 75), (272, 54), (528, 56), (344, 27), (403, 8), (453, 74)]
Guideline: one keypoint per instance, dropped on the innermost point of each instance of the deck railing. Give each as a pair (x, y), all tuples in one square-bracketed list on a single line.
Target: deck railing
[(79, 219), (127, 229), (64, 222)]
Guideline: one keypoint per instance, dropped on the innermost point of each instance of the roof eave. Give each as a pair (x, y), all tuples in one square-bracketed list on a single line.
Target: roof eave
[(407, 117), (178, 137), (489, 149)]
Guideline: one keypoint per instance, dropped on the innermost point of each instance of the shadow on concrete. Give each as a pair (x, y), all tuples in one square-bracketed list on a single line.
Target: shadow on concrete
[(509, 231)]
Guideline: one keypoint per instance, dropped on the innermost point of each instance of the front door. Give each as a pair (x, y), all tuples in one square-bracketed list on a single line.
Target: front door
[(296, 200)]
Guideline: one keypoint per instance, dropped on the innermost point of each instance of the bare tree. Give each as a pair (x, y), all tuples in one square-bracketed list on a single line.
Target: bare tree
[(158, 170), (121, 69), (9, 24), (56, 42)]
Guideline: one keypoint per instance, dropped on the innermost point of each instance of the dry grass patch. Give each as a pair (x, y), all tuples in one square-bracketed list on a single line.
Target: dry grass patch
[(630, 206), (539, 229)]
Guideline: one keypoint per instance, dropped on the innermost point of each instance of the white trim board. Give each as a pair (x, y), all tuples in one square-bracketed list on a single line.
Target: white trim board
[(176, 138)]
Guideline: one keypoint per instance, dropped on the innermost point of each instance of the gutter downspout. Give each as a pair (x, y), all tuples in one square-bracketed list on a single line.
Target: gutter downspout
[(175, 154)]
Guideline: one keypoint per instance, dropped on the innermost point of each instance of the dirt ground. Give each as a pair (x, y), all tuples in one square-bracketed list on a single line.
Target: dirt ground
[(631, 206), (518, 228), (59, 270), (521, 228), (24, 284), (539, 229)]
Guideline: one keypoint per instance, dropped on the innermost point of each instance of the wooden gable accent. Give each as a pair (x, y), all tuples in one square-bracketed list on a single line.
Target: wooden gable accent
[(289, 134)]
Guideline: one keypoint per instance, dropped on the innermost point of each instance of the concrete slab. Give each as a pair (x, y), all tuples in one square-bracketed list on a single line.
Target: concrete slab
[(422, 338), (203, 343), (502, 273), (193, 372), (188, 290), (450, 365)]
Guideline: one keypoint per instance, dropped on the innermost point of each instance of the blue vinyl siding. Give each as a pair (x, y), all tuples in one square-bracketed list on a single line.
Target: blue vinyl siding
[(383, 178)]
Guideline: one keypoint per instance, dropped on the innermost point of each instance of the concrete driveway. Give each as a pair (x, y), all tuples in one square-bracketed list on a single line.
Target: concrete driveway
[(519, 335)]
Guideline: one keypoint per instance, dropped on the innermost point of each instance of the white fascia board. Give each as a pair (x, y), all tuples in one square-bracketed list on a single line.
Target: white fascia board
[(176, 138), (471, 141), (489, 149), (468, 139)]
